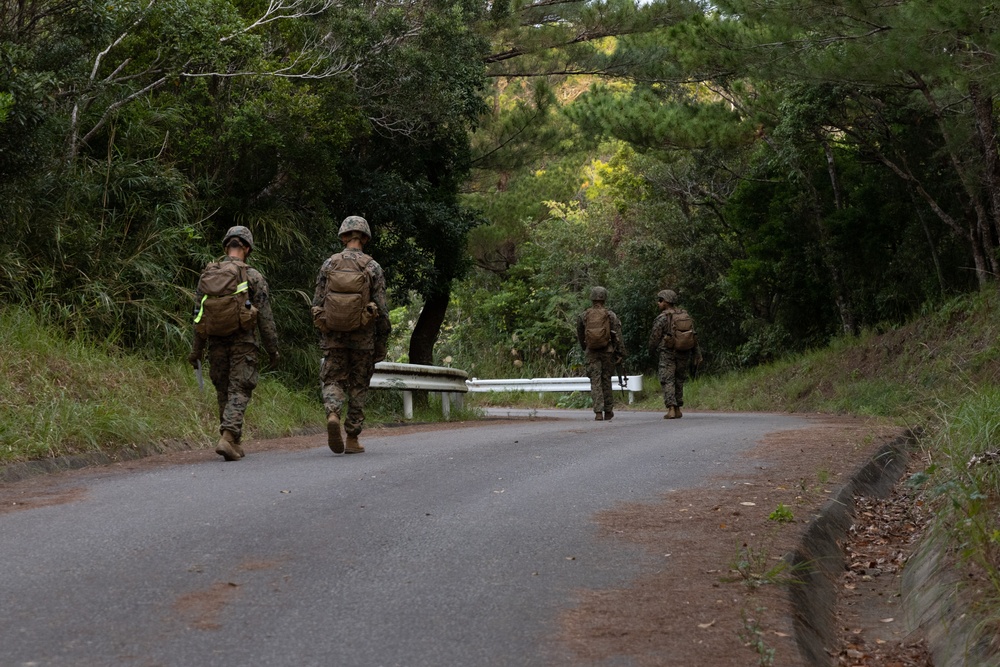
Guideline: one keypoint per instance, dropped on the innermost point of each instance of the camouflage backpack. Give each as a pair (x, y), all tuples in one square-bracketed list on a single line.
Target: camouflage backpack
[(596, 329), (683, 336), (225, 306), (347, 304)]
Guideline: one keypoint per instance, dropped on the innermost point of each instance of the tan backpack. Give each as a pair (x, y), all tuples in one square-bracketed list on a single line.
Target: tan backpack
[(596, 329), (347, 303), (225, 306), (683, 336)]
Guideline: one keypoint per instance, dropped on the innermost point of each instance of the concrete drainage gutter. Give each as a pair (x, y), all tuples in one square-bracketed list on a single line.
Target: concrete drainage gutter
[(935, 598), (819, 559)]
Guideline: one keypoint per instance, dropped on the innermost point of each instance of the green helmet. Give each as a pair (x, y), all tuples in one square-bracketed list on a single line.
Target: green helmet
[(667, 295), (354, 223), (598, 294), (240, 232)]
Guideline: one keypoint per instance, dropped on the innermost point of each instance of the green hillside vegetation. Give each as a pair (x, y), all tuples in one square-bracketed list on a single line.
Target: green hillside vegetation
[(915, 373), (62, 397)]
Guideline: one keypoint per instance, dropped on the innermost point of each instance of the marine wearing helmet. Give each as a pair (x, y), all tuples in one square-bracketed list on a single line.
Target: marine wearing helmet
[(355, 223), (667, 295), (239, 232)]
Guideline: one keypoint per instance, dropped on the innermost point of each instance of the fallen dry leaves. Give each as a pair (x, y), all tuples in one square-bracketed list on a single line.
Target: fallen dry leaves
[(880, 541)]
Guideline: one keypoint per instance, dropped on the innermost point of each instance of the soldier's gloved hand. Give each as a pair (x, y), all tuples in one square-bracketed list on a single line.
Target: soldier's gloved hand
[(194, 358), (381, 350), (273, 359)]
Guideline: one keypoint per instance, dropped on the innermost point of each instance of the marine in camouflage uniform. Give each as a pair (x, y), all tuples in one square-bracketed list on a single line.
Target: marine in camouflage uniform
[(673, 365), (601, 362), (349, 358), (233, 360)]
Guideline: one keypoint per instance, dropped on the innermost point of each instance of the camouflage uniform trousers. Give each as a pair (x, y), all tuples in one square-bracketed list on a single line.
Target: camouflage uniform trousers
[(600, 369), (345, 376), (673, 373), (233, 371)]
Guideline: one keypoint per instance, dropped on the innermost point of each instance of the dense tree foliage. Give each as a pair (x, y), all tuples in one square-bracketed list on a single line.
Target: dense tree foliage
[(808, 169), (797, 170), (135, 133)]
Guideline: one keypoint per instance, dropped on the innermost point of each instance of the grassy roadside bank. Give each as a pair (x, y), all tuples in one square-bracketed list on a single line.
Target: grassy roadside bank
[(62, 397)]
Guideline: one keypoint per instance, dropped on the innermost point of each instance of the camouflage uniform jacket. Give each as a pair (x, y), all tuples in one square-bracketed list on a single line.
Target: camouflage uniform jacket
[(661, 327), (369, 337), (260, 297), (615, 346)]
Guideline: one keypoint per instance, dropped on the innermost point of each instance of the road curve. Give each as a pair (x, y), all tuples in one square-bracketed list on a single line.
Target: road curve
[(457, 546)]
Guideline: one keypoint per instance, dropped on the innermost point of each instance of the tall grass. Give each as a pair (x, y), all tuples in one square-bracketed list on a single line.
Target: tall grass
[(964, 479), (64, 396), (61, 396)]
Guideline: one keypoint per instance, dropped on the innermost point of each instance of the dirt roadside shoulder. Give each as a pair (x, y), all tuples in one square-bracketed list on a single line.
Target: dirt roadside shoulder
[(721, 597)]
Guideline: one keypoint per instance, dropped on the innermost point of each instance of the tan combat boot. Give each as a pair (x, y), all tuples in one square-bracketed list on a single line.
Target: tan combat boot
[(226, 447), (677, 412), (598, 416), (671, 412), (608, 416), (239, 449), (353, 446), (334, 438)]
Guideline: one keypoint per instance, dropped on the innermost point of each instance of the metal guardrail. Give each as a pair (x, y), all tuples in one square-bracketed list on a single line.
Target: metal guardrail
[(453, 383), (633, 384), (449, 382)]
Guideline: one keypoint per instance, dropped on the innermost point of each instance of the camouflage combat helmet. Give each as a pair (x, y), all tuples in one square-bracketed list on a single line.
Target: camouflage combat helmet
[(598, 294), (240, 232), (355, 223), (667, 295)]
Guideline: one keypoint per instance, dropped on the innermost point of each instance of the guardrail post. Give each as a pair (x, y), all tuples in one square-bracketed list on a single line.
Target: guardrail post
[(407, 404), (445, 404)]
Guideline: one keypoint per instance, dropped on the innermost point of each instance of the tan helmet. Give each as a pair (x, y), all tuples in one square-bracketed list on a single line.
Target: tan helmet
[(667, 295), (355, 223), (598, 294), (240, 232)]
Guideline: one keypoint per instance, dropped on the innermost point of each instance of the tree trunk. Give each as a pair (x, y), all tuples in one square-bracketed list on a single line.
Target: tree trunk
[(425, 334), (841, 295), (982, 250), (428, 326), (987, 131), (930, 241)]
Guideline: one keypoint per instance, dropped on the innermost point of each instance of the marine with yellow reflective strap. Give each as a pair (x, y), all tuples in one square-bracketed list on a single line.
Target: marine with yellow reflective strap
[(225, 306)]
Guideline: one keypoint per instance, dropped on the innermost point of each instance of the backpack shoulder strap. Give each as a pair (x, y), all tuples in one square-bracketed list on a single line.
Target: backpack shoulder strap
[(243, 270)]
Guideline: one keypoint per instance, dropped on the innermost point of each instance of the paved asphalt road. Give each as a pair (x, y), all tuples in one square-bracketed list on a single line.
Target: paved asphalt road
[(452, 547)]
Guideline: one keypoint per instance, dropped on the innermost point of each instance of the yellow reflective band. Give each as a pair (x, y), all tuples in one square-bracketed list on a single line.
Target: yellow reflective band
[(242, 287), (201, 309)]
